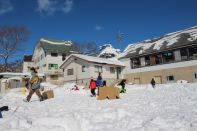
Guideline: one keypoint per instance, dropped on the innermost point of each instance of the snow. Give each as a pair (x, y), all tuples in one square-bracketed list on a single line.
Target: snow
[(170, 107), (170, 39), (108, 49), (94, 59), (57, 43)]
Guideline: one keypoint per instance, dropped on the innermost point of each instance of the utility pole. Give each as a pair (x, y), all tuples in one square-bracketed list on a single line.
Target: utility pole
[(120, 37)]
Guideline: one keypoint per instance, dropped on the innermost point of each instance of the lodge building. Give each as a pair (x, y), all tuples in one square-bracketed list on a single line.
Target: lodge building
[(167, 59)]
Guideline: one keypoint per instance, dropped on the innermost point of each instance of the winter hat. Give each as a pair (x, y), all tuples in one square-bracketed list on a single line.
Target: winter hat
[(33, 69)]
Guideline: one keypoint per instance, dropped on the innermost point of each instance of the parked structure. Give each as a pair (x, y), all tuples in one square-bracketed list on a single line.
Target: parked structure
[(166, 59), (80, 68), (49, 55)]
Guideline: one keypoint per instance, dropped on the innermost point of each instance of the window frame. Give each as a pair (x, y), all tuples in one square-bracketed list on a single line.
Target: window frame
[(54, 54), (83, 67), (168, 78), (70, 72), (112, 70), (98, 68)]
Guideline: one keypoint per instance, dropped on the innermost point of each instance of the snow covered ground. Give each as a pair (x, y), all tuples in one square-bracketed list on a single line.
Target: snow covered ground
[(170, 107)]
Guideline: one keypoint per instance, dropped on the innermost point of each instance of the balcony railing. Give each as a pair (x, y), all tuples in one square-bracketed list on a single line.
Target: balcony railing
[(55, 72)]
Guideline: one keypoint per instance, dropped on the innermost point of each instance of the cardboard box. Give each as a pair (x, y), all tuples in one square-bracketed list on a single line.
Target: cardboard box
[(108, 92), (48, 94)]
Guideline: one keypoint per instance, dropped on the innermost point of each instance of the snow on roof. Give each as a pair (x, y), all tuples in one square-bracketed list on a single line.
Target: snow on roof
[(56, 42), (109, 50), (94, 59), (157, 43)]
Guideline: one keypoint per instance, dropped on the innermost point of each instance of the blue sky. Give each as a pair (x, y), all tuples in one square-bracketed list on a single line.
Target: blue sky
[(98, 20)]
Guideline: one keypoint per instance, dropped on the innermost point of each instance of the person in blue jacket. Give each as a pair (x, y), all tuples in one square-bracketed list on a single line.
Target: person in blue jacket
[(99, 82)]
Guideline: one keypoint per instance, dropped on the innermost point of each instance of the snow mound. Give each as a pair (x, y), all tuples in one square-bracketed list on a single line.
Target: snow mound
[(166, 108)]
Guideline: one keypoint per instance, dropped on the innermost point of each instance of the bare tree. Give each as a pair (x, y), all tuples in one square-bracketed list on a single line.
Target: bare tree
[(89, 48), (11, 41)]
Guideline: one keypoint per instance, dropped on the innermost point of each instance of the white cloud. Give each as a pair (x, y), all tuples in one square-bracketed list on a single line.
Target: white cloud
[(98, 27), (52, 6), (68, 5), (47, 6), (5, 6)]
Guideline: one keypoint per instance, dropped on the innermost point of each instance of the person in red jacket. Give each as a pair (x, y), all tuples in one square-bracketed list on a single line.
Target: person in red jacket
[(92, 87)]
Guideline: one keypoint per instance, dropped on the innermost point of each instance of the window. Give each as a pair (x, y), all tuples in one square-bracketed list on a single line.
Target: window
[(184, 54), (63, 57), (193, 52), (112, 70), (42, 56), (135, 63), (53, 66), (147, 60), (170, 78), (156, 59), (168, 57), (195, 75), (54, 77), (70, 72), (98, 68), (54, 54), (83, 68)]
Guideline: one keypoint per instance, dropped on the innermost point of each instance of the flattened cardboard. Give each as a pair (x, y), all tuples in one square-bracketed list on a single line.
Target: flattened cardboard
[(48, 94), (108, 92)]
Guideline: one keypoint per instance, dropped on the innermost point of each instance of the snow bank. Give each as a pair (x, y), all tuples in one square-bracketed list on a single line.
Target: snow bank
[(170, 107)]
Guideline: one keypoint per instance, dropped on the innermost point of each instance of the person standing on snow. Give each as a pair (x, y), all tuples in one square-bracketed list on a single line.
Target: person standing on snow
[(122, 84), (34, 85), (92, 87), (99, 82), (153, 83)]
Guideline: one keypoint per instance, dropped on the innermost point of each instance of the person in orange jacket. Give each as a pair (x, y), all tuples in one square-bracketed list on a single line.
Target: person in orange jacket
[(92, 87)]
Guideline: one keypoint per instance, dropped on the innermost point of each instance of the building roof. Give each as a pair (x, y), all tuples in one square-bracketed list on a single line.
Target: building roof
[(27, 58), (93, 59), (56, 46), (169, 41)]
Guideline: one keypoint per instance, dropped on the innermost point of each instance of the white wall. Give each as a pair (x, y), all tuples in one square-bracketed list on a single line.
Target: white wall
[(25, 66), (89, 72)]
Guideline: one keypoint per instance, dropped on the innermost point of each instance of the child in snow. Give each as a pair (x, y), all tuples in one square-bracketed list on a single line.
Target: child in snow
[(34, 85), (75, 88), (4, 108), (122, 84), (99, 82), (153, 83), (92, 87)]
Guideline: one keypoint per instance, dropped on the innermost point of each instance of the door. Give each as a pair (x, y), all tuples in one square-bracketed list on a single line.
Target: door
[(158, 79), (136, 80)]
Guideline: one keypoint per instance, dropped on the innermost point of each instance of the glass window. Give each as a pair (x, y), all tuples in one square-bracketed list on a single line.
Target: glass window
[(147, 60), (193, 52), (168, 57), (70, 72), (83, 68), (98, 68), (63, 57), (195, 75), (136, 63), (53, 66), (170, 78), (54, 54), (112, 70), (184, 54)]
